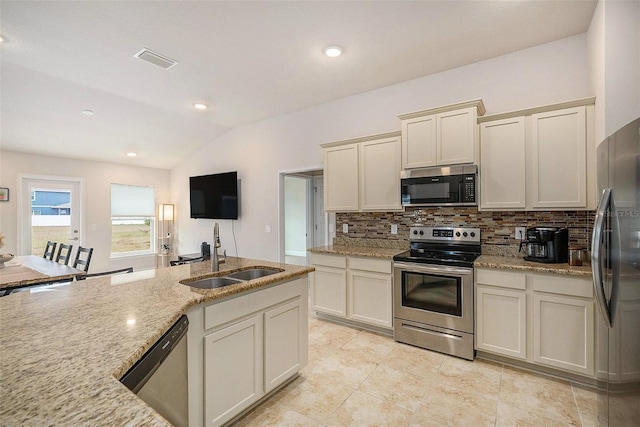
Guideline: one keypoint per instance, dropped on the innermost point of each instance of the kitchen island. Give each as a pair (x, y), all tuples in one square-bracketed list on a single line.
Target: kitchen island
[(63, 351)]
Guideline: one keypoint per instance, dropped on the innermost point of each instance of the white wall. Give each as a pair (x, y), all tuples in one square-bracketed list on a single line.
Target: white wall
[(595, 48), (622, 63), (97, 178), (545, 74), (614, 62)]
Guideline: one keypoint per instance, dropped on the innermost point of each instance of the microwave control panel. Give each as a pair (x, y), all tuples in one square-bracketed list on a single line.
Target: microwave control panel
[(469, 188)]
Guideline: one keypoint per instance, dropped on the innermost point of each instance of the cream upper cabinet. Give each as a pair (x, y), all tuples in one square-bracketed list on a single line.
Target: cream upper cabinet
[(539, 159), (457, 138), (363, 174), (558, 159), (380, 174), (503, 165), (341, 178), (441, 136), (419, 142)]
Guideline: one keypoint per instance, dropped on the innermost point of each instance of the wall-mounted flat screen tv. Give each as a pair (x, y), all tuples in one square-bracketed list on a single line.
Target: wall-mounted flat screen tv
[(214, 196)]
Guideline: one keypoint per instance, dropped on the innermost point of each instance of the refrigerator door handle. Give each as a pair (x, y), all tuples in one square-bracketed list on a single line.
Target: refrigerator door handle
[(596, 255)]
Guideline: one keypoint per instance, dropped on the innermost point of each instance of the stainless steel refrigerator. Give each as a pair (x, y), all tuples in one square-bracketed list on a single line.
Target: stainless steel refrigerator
[(615, 261)]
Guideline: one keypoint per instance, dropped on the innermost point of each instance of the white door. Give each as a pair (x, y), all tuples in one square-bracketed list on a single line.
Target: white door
[(49, 209)]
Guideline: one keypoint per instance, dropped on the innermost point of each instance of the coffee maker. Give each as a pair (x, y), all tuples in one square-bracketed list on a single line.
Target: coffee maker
[(546, 244)]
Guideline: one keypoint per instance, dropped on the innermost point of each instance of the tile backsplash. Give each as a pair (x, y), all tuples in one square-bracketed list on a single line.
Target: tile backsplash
[(497, 228)]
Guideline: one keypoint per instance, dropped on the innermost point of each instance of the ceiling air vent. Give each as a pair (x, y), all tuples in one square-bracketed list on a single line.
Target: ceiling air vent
[(155, 58)]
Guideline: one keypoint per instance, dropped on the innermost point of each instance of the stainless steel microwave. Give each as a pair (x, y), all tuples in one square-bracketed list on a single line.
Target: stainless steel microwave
[(440, 186)]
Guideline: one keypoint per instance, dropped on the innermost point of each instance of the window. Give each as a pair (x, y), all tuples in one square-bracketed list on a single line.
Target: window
[(132, 220)]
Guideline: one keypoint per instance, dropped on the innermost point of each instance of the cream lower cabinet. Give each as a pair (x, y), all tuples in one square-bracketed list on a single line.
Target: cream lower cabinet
[(242, 348), (543, 319), (501, 313), (353, 288), (233, 369)]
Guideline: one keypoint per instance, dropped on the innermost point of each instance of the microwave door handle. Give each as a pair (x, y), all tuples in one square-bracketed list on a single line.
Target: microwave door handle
[(596, 255)]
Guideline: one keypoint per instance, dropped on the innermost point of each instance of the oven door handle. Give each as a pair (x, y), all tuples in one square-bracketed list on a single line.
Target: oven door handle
[(441, 269)]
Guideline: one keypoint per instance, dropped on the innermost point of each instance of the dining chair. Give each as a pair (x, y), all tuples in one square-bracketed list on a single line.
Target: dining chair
[(49, 250), (106, 273), (64, 253), (83, 258)]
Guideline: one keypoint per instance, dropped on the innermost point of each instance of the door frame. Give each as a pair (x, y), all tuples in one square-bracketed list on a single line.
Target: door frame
[(24, 217), (281, 197)]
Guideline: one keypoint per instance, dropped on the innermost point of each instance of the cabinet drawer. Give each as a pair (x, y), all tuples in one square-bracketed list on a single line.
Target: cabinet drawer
[(329, 260), (370, 264), (562, 285), (505, 279)]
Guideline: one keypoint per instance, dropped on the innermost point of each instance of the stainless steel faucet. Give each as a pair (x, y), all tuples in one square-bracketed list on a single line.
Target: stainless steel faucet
[(215, 263)]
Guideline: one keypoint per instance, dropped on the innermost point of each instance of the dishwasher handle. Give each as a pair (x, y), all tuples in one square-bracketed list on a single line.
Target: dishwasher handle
[(137, 376)]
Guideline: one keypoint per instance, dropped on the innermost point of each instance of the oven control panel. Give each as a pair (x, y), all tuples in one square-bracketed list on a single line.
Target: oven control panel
[(445, 234)]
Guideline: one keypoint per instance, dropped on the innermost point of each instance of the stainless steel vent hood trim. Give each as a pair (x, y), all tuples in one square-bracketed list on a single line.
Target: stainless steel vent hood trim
[(439, 171)]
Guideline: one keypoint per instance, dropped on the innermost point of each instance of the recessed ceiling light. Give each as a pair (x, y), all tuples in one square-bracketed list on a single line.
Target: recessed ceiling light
[(333, 51), (200, 106), (88, 112), (131, 154)]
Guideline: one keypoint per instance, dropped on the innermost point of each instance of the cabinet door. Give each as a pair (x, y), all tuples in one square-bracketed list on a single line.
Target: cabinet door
[(563, 333), (558, 159), (456, 136), (329, 291), (501, 321), (419, 142), (370, 298), (283, 334), (380, 175), (341, 178), (502, 164), (233, 370)]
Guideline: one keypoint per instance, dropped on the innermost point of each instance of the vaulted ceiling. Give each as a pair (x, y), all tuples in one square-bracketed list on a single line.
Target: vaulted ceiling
[(246, 60)]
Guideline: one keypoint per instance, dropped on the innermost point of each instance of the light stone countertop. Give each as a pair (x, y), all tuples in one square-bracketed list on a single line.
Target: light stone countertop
[(363, 251), (63, 351), (516, 263)]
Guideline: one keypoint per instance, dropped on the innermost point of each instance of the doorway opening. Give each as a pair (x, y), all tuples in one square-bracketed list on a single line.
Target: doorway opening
[(303, 221)]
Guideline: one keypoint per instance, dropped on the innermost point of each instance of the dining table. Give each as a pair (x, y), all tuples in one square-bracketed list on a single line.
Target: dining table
[(31, 270)]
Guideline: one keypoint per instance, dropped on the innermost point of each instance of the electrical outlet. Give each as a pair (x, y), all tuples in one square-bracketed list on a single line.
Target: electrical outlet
[(267, 229), (345, 228), (521, 233), (394, 228)]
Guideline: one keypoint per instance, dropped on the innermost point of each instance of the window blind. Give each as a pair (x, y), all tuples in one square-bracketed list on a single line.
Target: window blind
[(132, 200)]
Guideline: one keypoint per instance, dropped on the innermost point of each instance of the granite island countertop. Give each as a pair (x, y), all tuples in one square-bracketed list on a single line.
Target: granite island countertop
[(363, 251), (63, 351), (516, 263)]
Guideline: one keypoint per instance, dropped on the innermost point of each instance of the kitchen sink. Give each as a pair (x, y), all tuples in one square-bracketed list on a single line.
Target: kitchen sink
[(230, 279), (254, 273), (212, 282)]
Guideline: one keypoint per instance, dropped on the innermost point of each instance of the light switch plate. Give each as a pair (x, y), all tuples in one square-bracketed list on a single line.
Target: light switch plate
[(345, 228), (394, 228)]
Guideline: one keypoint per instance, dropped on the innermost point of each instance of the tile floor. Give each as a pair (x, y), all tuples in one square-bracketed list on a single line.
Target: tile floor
[(358, 378)]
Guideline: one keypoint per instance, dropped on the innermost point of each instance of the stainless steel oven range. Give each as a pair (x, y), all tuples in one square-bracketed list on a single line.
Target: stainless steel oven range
[(433, 290)]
